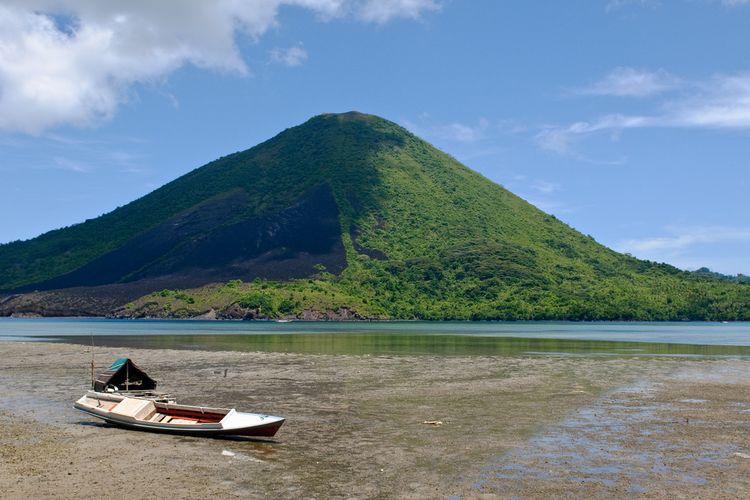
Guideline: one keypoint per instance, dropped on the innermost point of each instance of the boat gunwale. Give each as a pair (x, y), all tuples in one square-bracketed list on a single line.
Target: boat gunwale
[(249, 431), (219, 427)]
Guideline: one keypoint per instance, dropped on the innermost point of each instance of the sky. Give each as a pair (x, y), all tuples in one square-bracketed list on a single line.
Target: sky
[(627, 119)]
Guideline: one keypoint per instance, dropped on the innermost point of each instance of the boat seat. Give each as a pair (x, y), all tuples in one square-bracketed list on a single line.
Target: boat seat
[(136, 408), (181, 421), (156, 417)]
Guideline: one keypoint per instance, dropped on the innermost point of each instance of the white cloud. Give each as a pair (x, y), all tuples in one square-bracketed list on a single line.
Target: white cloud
[(509, 126), (292, 56), (552, 206), (464, 133), (545, 187), (73, 61), (681, 246), (614, 5), (539, 192), (71, 165), (381, 11), (722, 102), (682, 238), (631, 82), (114, 154), (454, 132), (619, 4), (561, 140), (556, 140)]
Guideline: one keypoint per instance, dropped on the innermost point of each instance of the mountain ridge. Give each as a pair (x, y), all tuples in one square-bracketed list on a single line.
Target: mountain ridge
[(367, 212)]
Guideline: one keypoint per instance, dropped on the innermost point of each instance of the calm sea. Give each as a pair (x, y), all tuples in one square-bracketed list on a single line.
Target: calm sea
[(409, 337)]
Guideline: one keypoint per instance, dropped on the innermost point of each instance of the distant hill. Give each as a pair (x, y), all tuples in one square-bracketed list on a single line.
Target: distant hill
[(707, 273), (347, 215)]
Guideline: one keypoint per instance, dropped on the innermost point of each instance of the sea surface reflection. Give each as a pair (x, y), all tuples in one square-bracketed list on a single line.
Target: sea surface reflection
[(378, 338)]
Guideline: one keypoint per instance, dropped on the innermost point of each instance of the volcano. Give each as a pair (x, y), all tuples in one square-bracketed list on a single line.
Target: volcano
[(346, 212)]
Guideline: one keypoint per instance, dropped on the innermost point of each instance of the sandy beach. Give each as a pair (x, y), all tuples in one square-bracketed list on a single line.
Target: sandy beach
[(511, 426)]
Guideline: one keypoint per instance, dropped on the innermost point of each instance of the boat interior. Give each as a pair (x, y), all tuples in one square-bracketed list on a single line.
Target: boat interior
[(150, 411)]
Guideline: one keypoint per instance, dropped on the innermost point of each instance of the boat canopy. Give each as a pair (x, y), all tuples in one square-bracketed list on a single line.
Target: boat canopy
[(124, 375)]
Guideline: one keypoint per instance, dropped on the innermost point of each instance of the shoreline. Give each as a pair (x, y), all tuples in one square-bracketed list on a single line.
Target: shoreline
[(37, 305), (378, 320)]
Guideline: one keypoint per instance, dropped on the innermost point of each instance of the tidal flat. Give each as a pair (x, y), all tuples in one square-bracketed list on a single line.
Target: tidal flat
[(534, 425)]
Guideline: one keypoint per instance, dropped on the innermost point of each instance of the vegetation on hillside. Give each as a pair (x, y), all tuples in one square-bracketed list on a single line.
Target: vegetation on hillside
[(425, 238), (649, 299), (259, 299)]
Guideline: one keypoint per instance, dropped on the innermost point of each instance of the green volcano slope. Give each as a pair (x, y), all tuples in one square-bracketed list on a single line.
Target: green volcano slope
[(350, 212)]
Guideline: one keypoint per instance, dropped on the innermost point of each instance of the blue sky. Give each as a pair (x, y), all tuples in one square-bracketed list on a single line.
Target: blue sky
[(627, 119)]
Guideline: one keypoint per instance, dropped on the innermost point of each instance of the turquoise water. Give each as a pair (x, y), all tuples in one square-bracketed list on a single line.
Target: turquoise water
[(675, 333), (460, 338)]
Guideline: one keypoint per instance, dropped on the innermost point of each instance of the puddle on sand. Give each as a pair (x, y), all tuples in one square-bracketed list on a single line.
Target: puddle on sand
[(40, 409), (606, 445)]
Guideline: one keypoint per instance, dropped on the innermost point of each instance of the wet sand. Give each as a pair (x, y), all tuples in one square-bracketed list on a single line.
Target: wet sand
[(563, 426)]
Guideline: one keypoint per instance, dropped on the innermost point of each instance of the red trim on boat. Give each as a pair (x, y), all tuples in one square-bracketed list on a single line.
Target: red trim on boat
[(207, 417)]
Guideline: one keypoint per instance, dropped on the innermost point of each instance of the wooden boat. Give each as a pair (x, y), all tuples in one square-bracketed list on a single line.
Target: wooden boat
[(125, 395), (149, 415)]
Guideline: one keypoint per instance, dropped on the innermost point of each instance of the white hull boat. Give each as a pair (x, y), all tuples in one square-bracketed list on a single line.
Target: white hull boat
[(150, 415)]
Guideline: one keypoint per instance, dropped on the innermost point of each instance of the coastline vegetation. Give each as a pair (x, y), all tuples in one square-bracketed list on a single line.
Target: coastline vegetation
[(673, 300)]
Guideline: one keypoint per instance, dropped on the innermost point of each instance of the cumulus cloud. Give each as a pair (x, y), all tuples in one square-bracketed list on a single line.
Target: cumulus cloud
[(73, 61), (632, 82), (292, 56)]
